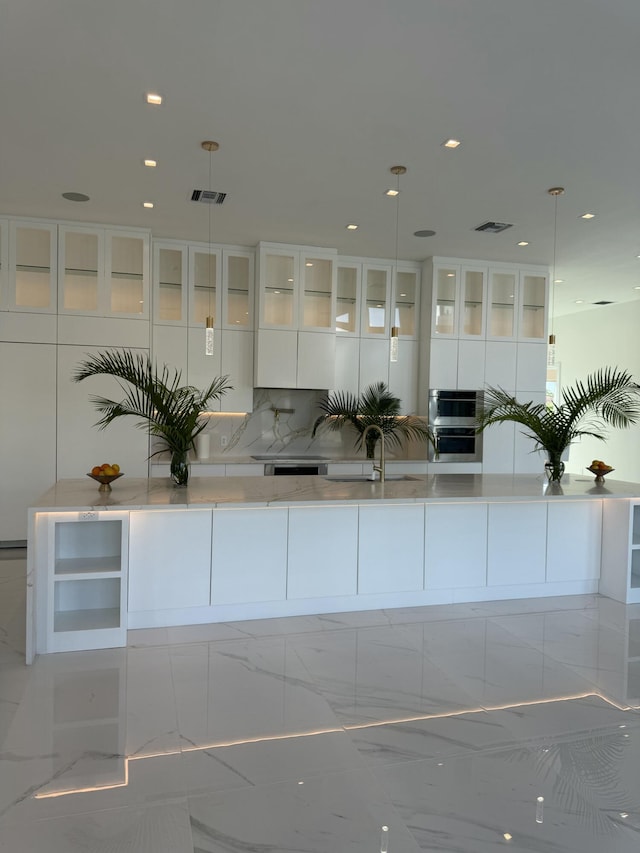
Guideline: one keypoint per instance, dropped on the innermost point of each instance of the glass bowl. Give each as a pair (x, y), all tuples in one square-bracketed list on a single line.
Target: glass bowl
[(105, 480), (600, 472)]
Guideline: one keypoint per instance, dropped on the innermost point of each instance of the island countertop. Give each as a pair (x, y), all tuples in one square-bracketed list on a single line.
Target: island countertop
[(294, 490)]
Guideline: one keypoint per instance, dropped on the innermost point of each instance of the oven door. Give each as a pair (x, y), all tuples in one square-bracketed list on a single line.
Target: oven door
[(454, 407), (456, 444)]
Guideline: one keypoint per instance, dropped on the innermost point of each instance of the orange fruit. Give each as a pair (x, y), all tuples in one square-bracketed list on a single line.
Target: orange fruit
[(96, 471)]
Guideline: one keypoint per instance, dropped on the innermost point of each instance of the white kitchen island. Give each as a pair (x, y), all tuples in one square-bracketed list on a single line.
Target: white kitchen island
[(224, 549)]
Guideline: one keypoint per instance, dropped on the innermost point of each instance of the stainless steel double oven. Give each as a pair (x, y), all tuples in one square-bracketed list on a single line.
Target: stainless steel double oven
[(452, 418)]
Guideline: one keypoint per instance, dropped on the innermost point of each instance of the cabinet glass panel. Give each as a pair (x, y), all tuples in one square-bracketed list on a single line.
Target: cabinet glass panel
[(445, 309), (204, 286), (33, 268), (316, 298), (86, 605), (405, 309), (376, 288), (635, 568), (636, 526), (278, 292), (127, 275), (171, 285), (81, 265), (472, 302), (237, 291), (502, 311), (533, 307), (347, 298)]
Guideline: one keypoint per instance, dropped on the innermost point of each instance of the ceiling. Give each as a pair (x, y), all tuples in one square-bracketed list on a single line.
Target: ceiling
[(313, 102)]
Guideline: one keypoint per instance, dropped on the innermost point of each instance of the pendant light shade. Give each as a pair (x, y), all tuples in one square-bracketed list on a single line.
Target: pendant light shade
[(395, 330), (555, 192)]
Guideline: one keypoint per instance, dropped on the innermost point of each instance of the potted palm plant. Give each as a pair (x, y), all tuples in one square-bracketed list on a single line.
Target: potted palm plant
[(165, 408), (608, 397), (377, 406)]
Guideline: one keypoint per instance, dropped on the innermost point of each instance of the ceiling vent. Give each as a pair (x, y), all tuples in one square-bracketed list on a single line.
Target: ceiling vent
[(603, 302), (493, 227), (208, 196)]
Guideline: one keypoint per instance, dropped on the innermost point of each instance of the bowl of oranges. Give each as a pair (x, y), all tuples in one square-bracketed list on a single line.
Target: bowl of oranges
[(600, 468), (105, 474)]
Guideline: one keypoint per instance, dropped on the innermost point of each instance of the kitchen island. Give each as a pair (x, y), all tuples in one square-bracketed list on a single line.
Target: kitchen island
[(223, 549)]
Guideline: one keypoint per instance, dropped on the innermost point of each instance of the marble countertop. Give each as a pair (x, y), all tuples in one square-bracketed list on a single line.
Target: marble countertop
[(304, 490)]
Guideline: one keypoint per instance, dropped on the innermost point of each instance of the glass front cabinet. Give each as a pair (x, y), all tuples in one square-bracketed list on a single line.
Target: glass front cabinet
[(459, 300), (518, 304), (29, 266)]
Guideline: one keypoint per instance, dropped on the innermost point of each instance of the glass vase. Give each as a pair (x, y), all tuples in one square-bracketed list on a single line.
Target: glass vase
[(179, 467), (554, 468)]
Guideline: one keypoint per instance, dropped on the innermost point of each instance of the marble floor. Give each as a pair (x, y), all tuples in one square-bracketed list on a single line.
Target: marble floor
[(466, 728)]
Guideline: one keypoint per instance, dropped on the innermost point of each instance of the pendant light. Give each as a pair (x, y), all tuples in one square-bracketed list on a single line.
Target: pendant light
[(555, 192), (395, 330), (210, 146)]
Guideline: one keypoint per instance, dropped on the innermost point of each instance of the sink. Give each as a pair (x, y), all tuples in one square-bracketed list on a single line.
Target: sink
[(365, 478)]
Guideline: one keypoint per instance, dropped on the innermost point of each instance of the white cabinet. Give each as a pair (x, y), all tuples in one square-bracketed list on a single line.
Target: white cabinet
[(82, 578), (455, 546), (458, 298), (516, 546), (170, 277), (249, 560), (347, 368), (27, 431), (4, 263), (348, 297), (103, 271), (576, 556), (30, 266), (323, 551), (620, 573), (170, 558), (390, 548), (517, 303)]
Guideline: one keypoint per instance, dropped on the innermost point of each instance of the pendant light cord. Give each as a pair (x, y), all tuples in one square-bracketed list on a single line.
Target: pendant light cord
[(553, 279)]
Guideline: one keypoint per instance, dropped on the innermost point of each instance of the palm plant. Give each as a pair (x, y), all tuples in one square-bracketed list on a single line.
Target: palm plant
[(376, 405), (609, 397), (165, 408)]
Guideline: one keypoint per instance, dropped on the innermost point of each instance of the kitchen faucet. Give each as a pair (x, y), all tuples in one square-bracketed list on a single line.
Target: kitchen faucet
[(379, 468)]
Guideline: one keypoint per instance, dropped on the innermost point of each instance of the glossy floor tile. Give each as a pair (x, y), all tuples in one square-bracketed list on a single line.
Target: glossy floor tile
[(435, 729)]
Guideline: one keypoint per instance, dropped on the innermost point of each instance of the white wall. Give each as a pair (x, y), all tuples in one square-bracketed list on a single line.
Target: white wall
[(608, 336)]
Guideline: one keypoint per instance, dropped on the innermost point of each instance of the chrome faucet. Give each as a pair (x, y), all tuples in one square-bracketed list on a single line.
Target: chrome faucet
[(379, 468)]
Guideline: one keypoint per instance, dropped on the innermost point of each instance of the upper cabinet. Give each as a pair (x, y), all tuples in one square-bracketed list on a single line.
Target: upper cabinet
[(30, 266), (103, 272), (459, 300), (517, 304)]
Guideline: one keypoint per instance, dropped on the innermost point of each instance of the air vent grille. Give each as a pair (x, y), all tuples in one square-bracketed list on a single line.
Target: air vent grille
[(208, 196), (603, 302), (493, 227)]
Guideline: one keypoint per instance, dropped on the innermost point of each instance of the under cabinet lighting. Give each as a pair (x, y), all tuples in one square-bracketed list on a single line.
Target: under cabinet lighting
[(154, 98), (151, 163)]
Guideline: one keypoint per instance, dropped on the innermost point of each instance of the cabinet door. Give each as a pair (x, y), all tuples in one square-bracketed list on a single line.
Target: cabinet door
[(33, 267), (531, 368), (455, 546), (317, 296), (4, 264), (473, 302), (348, 287), (498, 443), (532, 318), (517, 544), (249, 555), (503, 289), (500, 364), (574, 534), (376, 287), (443, 363), (81, 259), (237, 364), (444, 317), (170, 283), (127, 274), (275, 358), (204, 285), (406, 306), (323, 551), (27, 443), (374, 362), (169, 560), (203, 368), (471, 363), (170, 348), (316, 360), (278, 288), (237, 289), (390, 548), (403, 376), (347, 368)]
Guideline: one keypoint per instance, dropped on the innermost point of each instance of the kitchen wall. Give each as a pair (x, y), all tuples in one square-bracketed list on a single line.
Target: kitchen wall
[(587, 341)]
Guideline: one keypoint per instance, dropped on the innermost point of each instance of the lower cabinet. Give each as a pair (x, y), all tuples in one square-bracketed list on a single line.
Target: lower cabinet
[(620, 575), (390, 548), (323, 551), (171, 555), (455, 546), (576, 556), (516, 547), (249, 555)]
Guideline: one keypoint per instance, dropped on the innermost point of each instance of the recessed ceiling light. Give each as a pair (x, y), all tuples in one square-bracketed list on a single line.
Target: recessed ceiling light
[(352, 227), (451, 143), (523, 243), (624, 814), (579, 301), (507, 836), (154, 98), (147, 204), (558, 281), (75, 196), (587, 216), (151, 163), (392, 192)]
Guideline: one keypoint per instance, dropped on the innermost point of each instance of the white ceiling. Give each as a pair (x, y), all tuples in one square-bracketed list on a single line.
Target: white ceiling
[(313, 100)]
